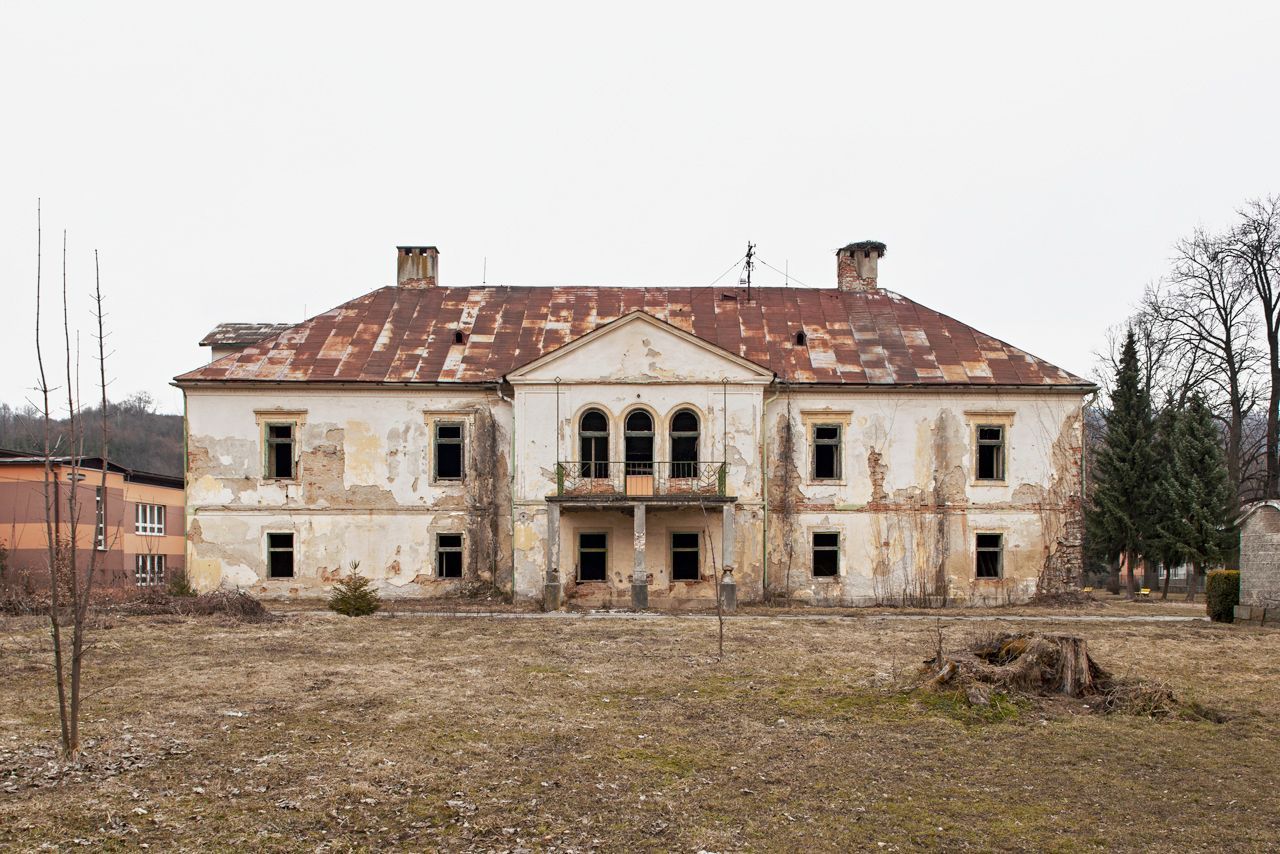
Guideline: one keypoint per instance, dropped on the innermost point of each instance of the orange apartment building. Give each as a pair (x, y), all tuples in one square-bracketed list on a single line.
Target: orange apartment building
[(135, 524)]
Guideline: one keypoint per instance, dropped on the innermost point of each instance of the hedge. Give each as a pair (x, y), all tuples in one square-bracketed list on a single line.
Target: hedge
[(1222, 594)]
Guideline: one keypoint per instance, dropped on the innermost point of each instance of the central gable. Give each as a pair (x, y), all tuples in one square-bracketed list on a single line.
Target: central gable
[(639, 348)]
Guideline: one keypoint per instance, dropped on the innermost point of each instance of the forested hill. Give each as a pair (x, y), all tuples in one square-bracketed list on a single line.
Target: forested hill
[(141, 438)]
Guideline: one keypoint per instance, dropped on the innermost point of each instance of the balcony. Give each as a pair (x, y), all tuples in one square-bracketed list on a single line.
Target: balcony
[(603, 482)]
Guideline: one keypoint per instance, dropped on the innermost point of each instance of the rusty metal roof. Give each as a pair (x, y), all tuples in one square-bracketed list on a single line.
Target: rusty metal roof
[(242, 334), (853, 337)]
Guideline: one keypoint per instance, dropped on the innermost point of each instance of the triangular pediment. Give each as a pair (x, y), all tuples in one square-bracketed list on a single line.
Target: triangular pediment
[(640, 348)]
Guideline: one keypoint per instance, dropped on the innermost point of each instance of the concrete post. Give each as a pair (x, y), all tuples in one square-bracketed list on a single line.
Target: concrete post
[(551, 587), (728, 588), (639, 576)]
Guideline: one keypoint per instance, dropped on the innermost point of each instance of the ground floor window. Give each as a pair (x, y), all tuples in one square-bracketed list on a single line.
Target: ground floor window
[(449, 555), (280, 555), (826, 554), (593, 556), (148, 570), (990, 549), (684, 557)]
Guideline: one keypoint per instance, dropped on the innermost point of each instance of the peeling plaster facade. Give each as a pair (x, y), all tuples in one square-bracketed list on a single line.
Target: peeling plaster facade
[(906, 507)]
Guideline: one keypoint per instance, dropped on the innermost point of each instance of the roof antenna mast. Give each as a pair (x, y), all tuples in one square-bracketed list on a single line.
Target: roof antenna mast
[(747, 267)]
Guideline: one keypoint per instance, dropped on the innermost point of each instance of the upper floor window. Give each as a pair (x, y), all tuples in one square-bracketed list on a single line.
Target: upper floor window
[(990, 453), (280, 451), (684, 444), (149, 519), (593, 443), (638, 441), (826, 452), (448, 448), (100, 519)]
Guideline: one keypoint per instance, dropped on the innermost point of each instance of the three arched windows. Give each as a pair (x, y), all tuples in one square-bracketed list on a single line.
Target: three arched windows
[(638, 443)]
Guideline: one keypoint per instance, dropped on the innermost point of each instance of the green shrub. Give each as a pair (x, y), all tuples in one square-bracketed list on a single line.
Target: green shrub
[(353, 595), (1222, 594), (180, 585)]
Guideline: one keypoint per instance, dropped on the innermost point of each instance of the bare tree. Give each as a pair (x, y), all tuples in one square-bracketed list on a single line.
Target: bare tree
[(1208, 309), (65, 574), (1253, 248)]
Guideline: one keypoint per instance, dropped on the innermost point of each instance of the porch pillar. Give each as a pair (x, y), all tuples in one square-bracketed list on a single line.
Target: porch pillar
[(551, 587), (639, 577), (728, 590)]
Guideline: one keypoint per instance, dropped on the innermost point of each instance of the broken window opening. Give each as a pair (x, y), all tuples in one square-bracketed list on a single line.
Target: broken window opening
[(100, 519), (826, 554), (685, 556), (593, 443), (280, 451), (684, 444), (990, 549), (802, 340), (638, 443), (459, 337), (449, 555), (148, 570), (593, 556), (448, 450), (280, 555), (990, 452), (826, 452)]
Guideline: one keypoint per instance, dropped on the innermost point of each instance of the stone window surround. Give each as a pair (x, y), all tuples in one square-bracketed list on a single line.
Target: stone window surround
[(975, 418), (809, 531), (810, 418), (465, 417), (617, 429), (297, 418)]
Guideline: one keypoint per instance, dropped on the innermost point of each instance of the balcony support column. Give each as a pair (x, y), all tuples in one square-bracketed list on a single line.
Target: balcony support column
[(551, 586), (728, 589), (639, 576)]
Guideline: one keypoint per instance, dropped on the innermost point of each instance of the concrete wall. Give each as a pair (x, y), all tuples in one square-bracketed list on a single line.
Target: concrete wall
[(364, 489), (907, 508), (1260, 558)]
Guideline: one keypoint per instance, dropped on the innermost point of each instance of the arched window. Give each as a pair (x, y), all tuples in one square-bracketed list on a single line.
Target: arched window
[(638, 443), (802, 340), (593, 442), (684, 444)]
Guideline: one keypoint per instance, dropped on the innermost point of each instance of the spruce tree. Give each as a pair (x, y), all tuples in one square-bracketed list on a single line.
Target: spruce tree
[(1172, 499), (1200, 531), (1125, 475), (354, 595)]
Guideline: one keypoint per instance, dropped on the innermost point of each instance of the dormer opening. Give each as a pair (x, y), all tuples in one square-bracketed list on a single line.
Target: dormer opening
[(459, 337), (802, 340)]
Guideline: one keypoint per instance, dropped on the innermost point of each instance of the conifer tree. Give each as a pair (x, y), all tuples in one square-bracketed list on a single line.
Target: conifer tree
[(1172, 498), (354, 595), (1198, 529), (1119, 519)]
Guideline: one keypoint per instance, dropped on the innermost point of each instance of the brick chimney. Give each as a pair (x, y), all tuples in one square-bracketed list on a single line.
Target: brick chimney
[(856, 265), (416, 266)]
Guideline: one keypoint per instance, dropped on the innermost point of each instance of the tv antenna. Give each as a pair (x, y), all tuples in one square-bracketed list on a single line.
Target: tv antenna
[(747, 267)]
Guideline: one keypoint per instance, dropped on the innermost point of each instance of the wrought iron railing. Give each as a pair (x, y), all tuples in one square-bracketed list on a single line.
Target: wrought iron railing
[(640, 480)]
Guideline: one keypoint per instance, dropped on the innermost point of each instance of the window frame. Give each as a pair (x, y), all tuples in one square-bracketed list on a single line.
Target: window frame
[(979, 550), (1001, 452), (100, 518), (685, 468), (814, 548), (837, 443), (437, 441), (149, 519), (441, 551), (151, 567), (639, 467), (593, 468), (269, 444), (697, 550), (578, 550), (292, 550)]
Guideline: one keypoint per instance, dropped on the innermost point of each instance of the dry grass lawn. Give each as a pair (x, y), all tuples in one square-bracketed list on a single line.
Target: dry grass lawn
[(474, 733)]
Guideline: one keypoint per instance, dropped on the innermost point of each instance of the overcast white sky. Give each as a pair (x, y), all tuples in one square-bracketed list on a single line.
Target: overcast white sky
[(1028, 165)]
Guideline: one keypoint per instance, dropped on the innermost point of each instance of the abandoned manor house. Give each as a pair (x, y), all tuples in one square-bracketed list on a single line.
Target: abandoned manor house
[(611, 446)]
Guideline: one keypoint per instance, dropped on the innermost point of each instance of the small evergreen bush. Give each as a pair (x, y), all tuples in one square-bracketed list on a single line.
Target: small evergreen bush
[(353, 595), (1222, 594), (180, 585)]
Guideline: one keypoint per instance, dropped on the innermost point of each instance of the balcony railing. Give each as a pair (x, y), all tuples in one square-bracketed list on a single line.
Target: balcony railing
[(640, 480)]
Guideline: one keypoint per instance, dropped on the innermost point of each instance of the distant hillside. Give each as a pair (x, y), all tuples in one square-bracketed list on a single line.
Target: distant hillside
[(141, 438)]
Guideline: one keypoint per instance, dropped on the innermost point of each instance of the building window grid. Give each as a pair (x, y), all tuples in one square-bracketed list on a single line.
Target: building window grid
[(449, 450), (448, 555), (149, 570), (149, 520), (991, 452), (989, 562), (826, 452)]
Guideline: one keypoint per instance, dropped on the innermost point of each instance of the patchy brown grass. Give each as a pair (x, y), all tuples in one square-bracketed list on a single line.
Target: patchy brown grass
[(619, 734)]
